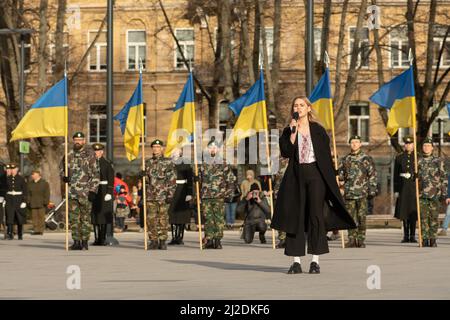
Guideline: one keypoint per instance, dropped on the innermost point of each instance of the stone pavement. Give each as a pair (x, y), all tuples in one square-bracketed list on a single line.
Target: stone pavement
[(36, 267)]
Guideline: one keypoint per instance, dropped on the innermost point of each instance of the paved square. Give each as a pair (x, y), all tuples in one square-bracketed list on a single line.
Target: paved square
[(35, 268)]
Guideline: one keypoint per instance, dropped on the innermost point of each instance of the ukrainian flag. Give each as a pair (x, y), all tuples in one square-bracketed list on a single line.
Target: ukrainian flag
[(47, 117), (321, 101), (131, 119), (398, 97), (183, 118), (251, 112)]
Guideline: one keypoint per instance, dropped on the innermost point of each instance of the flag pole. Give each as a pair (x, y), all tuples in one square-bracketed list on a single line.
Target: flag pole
[(197, 185), (269, 165), (333, 135), (144, 192), (416, 171), (66, 169)]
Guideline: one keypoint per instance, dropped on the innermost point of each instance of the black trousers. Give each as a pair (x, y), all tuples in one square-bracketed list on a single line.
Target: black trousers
[(409, 228), (250, 229), (312, 199)]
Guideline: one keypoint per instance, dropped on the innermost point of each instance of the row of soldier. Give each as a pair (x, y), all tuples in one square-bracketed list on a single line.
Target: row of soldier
[(170, 191)]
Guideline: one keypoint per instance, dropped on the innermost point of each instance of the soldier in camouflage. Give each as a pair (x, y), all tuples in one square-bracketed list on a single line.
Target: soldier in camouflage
[(162, 176), (432, 191), (358, 175), (278, 177), (83, 180), (217, 183)]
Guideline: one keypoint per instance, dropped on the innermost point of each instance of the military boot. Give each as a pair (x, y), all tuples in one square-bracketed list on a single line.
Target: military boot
[(96, 235), (84, 245), (217, 244), (351, 243), (433, 243), (9, 232), (153, 245), (20, 232), (361, 244), (281, 244), (162, 245), (209, 244), (425, 243), (76, 245), (262, 238)]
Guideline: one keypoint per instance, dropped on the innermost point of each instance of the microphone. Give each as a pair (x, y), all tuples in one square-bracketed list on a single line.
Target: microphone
[(295, 117)]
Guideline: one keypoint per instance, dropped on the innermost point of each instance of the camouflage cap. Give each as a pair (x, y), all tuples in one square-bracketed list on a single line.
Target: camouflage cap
[(157, 142), (98, 146), (428, 140), (78, 135), (354, 137), (408, 139)]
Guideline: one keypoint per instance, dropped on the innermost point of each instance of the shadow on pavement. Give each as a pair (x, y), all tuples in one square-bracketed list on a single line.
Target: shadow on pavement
[(232, 266)]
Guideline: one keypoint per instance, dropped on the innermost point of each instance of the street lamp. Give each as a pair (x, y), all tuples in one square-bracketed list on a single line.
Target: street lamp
[(22, 33)]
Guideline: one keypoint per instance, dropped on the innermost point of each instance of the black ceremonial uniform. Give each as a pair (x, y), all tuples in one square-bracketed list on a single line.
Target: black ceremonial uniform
[(404, 184), (2, 192), (15, 197)]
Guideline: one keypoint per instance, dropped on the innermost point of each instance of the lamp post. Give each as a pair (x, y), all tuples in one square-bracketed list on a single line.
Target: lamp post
[(22, 33), (309, 46)]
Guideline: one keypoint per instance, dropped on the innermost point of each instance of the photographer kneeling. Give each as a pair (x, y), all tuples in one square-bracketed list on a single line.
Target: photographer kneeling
[(256, 212)]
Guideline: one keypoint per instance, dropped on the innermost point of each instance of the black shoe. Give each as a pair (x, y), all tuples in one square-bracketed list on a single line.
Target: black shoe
[(314, 268), (9, 236), (425, 243), (76, 245), (209, 244), (281, 244), (295, 268), (153, 245), (180, 241), (433, 243), (162, 245), (412, 239), (84, 245), (173, 242), (262, 238), (405, 240), (361, 244), (217, 244)]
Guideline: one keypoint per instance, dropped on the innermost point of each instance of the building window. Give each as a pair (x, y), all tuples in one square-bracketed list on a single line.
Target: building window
[(186, 40), (399, 48), (52, 51), (441, 127), (363, 56), (438, 40), (136, 49), (359, 121), (97, 123), (97, 56), (269, 45), (317, 42)]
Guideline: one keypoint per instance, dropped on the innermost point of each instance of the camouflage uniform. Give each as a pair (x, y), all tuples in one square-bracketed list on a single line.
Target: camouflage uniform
[(161, 187), (218, 182), (433, 189), (357, 171), (84, 177)]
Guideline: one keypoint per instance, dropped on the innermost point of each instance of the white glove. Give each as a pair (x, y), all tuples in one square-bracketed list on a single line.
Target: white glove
[(23, 205), (2, 199), (188, 198), (396, 194), (108, 197)]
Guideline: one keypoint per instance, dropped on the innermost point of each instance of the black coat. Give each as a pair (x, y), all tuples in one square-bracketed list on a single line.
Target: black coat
[(179, 210), (406, 207), (15, 214), (287, 214), (102, 211), (2, 180)]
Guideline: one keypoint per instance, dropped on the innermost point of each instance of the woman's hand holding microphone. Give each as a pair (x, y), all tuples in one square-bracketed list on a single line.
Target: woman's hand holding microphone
[(293, 125)]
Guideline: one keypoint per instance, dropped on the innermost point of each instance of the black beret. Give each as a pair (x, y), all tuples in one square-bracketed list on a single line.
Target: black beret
[(408, 139), (354, 137), (428, 140), (78, 135), (157, 142), (98, 146)]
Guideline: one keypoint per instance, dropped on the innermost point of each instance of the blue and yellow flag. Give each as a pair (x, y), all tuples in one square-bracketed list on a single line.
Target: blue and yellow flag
[(399, 98), (250, 109), (131, 119), (183, 118), (321, 101), (47, 117)]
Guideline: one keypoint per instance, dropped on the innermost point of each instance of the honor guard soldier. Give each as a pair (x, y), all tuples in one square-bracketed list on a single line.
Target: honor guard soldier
[(162, 176), (179, 210), (357, 173), (83, 180), (2, 194), (16, 190), (102, 207), (433, 190), (217, 183), (405, 190)]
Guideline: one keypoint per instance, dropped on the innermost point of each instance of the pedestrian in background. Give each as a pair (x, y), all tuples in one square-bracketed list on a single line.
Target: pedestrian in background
[(38, 198)]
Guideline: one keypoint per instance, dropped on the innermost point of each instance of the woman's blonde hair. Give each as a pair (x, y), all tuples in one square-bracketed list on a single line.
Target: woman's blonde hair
[(312, 117)]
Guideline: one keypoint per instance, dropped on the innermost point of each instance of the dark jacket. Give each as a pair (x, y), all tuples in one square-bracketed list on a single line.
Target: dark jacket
[(2, 180), (405, 207), (179, 210), (15, 214), (38, 194), (253, 212), (102, 211), (287, 212)]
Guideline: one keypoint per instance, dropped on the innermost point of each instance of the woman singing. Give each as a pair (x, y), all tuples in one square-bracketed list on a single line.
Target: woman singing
[(309, 202)]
